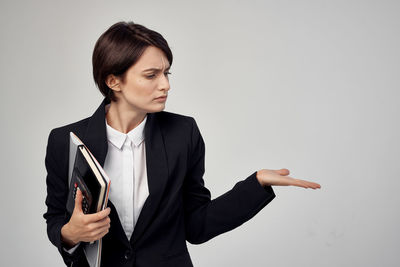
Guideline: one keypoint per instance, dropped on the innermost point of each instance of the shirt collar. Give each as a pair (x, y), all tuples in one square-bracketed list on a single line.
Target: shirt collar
[(117, 138)]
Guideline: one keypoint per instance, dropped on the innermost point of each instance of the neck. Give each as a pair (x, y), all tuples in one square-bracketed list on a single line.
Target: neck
[(123, 118)]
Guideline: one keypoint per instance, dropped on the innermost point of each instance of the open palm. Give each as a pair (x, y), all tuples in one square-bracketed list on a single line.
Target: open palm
[(280, 177)]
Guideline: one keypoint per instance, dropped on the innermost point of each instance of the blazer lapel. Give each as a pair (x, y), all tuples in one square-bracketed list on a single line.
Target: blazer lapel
[(157, 174), (95, 139)]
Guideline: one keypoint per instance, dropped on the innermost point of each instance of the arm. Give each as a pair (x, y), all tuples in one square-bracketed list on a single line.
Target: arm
[(57, 189), (206, 218), (64, 231)]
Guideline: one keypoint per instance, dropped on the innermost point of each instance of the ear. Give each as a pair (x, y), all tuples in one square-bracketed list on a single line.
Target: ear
[(113, 82)]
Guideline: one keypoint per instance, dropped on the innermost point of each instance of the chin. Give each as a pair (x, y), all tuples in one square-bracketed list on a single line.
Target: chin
[(157, 108)]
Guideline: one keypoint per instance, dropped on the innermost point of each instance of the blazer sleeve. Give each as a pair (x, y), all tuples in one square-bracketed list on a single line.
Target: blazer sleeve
[(206, 218), (57, 190)]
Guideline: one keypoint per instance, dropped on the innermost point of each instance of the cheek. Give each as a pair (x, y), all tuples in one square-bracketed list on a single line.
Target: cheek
[(142, 87)]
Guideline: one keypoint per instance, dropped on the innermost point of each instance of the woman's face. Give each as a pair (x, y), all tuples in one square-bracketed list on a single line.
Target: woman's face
[(145, 81)]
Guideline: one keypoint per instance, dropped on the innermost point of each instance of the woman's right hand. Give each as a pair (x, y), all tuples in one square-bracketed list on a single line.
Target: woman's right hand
[(85, 227)]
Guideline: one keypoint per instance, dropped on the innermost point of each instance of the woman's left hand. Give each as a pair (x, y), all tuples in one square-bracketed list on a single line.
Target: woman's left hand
[(280, 177)]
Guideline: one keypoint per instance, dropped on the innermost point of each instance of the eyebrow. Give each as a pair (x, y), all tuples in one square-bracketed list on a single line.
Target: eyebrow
[(156, 69)]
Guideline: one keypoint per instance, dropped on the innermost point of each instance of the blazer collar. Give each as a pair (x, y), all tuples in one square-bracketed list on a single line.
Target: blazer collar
[(95, 139)]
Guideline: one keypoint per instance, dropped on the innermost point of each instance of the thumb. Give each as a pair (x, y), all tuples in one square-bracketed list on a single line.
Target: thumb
[(78, 201), (282, 172)]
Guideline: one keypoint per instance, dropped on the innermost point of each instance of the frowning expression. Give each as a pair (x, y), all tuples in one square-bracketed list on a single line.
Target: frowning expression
[(144, 82)]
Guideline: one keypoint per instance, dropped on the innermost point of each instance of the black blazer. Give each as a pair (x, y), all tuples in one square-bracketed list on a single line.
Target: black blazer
[(179, 206)]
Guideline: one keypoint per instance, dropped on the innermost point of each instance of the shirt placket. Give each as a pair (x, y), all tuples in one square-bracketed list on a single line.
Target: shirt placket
[(128, 187)]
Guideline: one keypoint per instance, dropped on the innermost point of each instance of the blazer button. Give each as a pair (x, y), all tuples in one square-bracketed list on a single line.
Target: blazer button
[(128, 255)]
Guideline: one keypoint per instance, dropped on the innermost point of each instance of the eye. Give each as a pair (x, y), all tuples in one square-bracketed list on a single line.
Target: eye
[(152, 76)]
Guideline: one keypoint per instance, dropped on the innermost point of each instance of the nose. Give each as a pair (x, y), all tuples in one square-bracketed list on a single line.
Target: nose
[(164, 83)]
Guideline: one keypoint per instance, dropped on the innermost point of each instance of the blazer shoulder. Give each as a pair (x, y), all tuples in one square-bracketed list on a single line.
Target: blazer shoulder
[(60, 135), (170, 120), (167, 115)]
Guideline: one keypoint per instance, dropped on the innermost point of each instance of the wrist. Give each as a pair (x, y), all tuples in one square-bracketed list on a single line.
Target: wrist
[(259, 178), (66, 236)]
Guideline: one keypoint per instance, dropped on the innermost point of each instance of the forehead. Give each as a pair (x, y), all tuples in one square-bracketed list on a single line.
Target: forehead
[(152, 57)]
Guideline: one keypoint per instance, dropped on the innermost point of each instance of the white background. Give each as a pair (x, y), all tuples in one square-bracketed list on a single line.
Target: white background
[(312, 86)]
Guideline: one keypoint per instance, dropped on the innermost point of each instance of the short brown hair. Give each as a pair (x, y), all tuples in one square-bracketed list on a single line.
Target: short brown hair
[(119, 48)]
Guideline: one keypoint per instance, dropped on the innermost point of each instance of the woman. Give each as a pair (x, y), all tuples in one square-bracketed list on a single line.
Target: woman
[(155, 160)]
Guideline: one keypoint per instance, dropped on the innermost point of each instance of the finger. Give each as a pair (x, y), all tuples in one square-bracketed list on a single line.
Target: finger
[(314, 185), (78, 201), (102, 233), (287, 180), (283, 171), (311, 184), (99, 224), (98, 215), (97, 234), (307, 184), (299, 183)]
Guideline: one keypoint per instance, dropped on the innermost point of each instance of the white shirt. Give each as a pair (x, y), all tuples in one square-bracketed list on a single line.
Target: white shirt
[(125, 164)]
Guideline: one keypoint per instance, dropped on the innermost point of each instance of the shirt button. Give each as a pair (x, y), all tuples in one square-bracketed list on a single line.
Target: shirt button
[(128, 141)]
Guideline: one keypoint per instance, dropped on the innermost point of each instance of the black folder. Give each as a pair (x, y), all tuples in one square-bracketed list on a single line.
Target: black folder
[(88, 178)]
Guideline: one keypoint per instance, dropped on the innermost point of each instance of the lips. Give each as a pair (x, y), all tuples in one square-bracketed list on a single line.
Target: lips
[(161, 97)]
